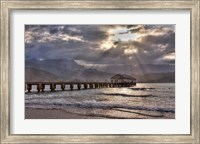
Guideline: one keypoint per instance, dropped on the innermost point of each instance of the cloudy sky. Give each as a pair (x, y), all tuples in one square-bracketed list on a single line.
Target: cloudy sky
[(102, 45)]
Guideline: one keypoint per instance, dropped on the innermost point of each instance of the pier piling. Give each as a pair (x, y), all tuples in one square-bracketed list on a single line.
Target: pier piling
[(71, 86), (85, 86), (79, 86), (43, 87), (29, 86), (40, 86), (91, 86), (63, 87), (53, 87)]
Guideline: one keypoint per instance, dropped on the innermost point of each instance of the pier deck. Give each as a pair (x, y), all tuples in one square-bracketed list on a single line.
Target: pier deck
[(75, 84)]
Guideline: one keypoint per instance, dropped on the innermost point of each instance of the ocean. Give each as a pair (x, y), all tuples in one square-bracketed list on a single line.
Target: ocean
[(143, 101)]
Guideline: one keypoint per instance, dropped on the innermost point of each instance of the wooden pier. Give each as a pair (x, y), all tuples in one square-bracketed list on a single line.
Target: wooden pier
[(75, 85)]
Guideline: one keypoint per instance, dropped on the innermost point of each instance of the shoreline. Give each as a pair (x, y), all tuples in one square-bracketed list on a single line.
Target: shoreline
[(36, 113)]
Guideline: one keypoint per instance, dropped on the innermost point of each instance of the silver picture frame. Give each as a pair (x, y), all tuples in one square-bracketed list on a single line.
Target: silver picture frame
[(7, 6)]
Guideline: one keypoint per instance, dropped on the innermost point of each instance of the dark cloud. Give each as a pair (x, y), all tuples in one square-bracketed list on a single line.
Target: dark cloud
[(53, 30), (84, 42), (90, 33), (131, 26), (94, 33)]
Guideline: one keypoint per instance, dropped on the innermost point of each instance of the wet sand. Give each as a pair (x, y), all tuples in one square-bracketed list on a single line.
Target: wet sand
[(31, 113)]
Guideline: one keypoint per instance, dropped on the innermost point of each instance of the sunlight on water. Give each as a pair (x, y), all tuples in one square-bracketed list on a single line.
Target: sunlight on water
[(142, 101)]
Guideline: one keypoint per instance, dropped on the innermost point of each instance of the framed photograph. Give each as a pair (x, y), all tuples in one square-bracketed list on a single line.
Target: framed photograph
[(100, 72)]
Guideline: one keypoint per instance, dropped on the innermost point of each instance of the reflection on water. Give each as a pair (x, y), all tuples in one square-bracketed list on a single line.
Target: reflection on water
[(144, 101)]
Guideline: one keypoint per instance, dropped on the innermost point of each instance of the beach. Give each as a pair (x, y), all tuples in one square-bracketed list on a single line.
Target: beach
[(31, 113), (145, 101)]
